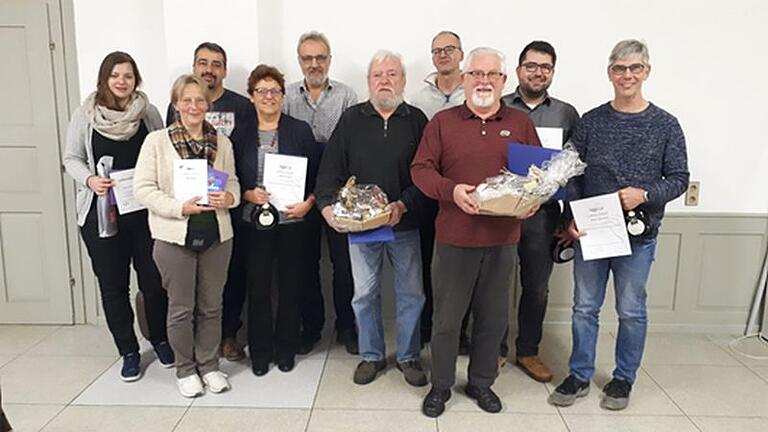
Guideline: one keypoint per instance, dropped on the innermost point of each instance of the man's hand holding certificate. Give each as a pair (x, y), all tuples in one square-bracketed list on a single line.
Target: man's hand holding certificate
[(601, 221)]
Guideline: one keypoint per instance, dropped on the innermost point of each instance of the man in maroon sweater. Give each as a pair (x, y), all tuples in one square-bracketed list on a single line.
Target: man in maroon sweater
[(474, 254)]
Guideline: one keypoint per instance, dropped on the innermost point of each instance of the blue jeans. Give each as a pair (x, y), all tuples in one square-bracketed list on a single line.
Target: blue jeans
[(630, 274), (404, 253)]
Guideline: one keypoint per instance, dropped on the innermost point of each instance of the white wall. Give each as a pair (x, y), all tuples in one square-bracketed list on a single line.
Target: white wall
[(708, 58)]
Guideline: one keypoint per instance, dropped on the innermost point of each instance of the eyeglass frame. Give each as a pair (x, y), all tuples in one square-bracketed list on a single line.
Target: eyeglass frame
[(486, 75), (262, 92), (444, 50), (546, 68), (309, 59), (625, 68)]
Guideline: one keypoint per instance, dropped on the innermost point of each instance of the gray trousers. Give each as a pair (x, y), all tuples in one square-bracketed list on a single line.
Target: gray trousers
[(480, 277), (195, 285)]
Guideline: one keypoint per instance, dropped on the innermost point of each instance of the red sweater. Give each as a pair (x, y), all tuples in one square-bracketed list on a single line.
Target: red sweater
[(459, 147)]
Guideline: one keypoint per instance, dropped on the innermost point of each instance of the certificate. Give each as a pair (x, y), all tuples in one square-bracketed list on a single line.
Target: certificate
[(284, 178), (603, 221), (122, 186), (190, 179), (550, 137)]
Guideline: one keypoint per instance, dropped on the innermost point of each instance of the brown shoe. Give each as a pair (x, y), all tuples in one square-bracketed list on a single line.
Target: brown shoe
[(534, 368), (231, 350)]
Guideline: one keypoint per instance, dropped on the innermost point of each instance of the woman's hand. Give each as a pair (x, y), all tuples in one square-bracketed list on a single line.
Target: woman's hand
[(256, 195), (191, 207), (99, 185), (220, 200)]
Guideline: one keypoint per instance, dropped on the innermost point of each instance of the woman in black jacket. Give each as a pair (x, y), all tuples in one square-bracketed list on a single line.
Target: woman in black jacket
[(276, 133)]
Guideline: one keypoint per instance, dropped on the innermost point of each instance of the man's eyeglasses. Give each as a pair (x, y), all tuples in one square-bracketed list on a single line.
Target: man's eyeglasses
[(263, 92), (307, 59), (492, 75), (532, 67), (447, 50), (635, 68)]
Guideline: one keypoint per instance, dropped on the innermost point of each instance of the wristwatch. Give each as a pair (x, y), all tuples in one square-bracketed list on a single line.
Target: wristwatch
[(645, 196)]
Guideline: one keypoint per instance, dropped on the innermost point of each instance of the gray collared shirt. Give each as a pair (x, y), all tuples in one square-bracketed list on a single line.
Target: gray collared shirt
[(322, 115), (552, 113), (431, 99)]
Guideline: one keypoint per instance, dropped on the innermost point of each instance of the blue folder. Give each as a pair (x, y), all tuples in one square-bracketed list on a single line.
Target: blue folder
[(521, 156), (381, 234)]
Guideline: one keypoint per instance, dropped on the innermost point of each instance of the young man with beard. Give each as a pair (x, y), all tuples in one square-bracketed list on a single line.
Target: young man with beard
[(320, 101), (375, 141), (234, 116), (461, 147), (535, 71)]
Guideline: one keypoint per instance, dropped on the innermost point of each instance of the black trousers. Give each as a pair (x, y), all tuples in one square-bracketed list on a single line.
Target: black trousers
[(427, 233), (111, 259), (535, 253), (313, 305), (234, 289), (276, 337), (479, 277)]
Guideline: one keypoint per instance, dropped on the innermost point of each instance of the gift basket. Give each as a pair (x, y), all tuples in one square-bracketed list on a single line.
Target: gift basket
[(360, 207), (509, 194)]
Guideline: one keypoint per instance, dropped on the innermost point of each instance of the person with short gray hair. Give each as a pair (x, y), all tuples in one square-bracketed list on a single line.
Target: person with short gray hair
[(320, 101), (647, 168), (375, 142)]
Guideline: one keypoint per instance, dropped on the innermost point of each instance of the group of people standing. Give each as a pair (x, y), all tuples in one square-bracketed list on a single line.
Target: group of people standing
[(199, 265)]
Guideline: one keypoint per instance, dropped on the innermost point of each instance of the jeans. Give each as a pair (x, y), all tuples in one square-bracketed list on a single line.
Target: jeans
[(630, 274), (404, 253)]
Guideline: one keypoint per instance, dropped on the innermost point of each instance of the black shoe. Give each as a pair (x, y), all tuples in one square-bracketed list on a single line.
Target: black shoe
[(485, 397), (566, 393), (286, 364), (260, 367), (464, 345), (348, 338), (616, 395), (434, 402), (131, 370), (165, 354), (307, 343), (367, 370), (413, 373)]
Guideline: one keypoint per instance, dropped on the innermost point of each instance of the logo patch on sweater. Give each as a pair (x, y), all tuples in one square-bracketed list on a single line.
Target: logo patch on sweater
[(505, 133)]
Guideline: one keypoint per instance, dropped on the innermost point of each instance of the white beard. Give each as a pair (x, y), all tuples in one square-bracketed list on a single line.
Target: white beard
[(482, 101), (387, 103)]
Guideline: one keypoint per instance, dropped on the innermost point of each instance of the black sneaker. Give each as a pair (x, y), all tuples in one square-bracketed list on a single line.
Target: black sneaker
[(131, 370), (464, 345), (307, 343), (434, 402), (486, 399), (348, 338), (566, 393), (413, 373), (164, 354), (616, 395), (367, 370)]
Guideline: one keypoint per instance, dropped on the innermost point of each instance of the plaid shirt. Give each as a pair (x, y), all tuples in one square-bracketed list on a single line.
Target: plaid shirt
[(323, 115)]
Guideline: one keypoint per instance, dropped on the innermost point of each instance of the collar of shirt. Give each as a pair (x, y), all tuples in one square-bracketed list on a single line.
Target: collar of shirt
[(369, 110), (304, 88), (518, 100), (467, 113)]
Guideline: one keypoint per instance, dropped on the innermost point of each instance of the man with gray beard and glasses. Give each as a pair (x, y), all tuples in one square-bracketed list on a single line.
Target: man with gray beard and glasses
[(375, 141), (474, 254)]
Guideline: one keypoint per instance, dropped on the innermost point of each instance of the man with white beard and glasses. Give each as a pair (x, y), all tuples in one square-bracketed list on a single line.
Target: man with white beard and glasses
[(474, 254), (375, 141), (320, 101)]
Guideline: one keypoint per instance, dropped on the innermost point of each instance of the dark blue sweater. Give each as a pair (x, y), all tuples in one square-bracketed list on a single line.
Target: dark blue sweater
[(644, 150)]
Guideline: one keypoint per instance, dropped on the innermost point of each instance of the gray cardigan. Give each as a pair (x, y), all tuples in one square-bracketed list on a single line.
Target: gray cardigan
[(78, 156)]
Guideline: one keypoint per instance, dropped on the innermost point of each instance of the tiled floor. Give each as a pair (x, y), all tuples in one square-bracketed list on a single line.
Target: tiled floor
[(66, 379)]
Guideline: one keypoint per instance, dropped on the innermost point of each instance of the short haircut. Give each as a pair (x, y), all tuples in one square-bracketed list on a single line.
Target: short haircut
[(486, 51), (104, 96), (184, 80), (313, 36), (538, 46), (447, 32), (627, 48), (384, 55), (211, 46), (267, 72)]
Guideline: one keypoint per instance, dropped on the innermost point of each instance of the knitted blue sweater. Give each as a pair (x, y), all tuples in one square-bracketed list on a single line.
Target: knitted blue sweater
[(644, 150)]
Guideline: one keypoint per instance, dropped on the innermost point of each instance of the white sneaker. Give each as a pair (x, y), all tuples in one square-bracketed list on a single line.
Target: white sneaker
[(216, 381), (190, 386)]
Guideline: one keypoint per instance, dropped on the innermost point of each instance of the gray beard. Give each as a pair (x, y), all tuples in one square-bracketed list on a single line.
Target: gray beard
[(387, 103)]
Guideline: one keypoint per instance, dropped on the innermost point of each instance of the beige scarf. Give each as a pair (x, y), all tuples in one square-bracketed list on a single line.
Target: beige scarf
[(118, 125)]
